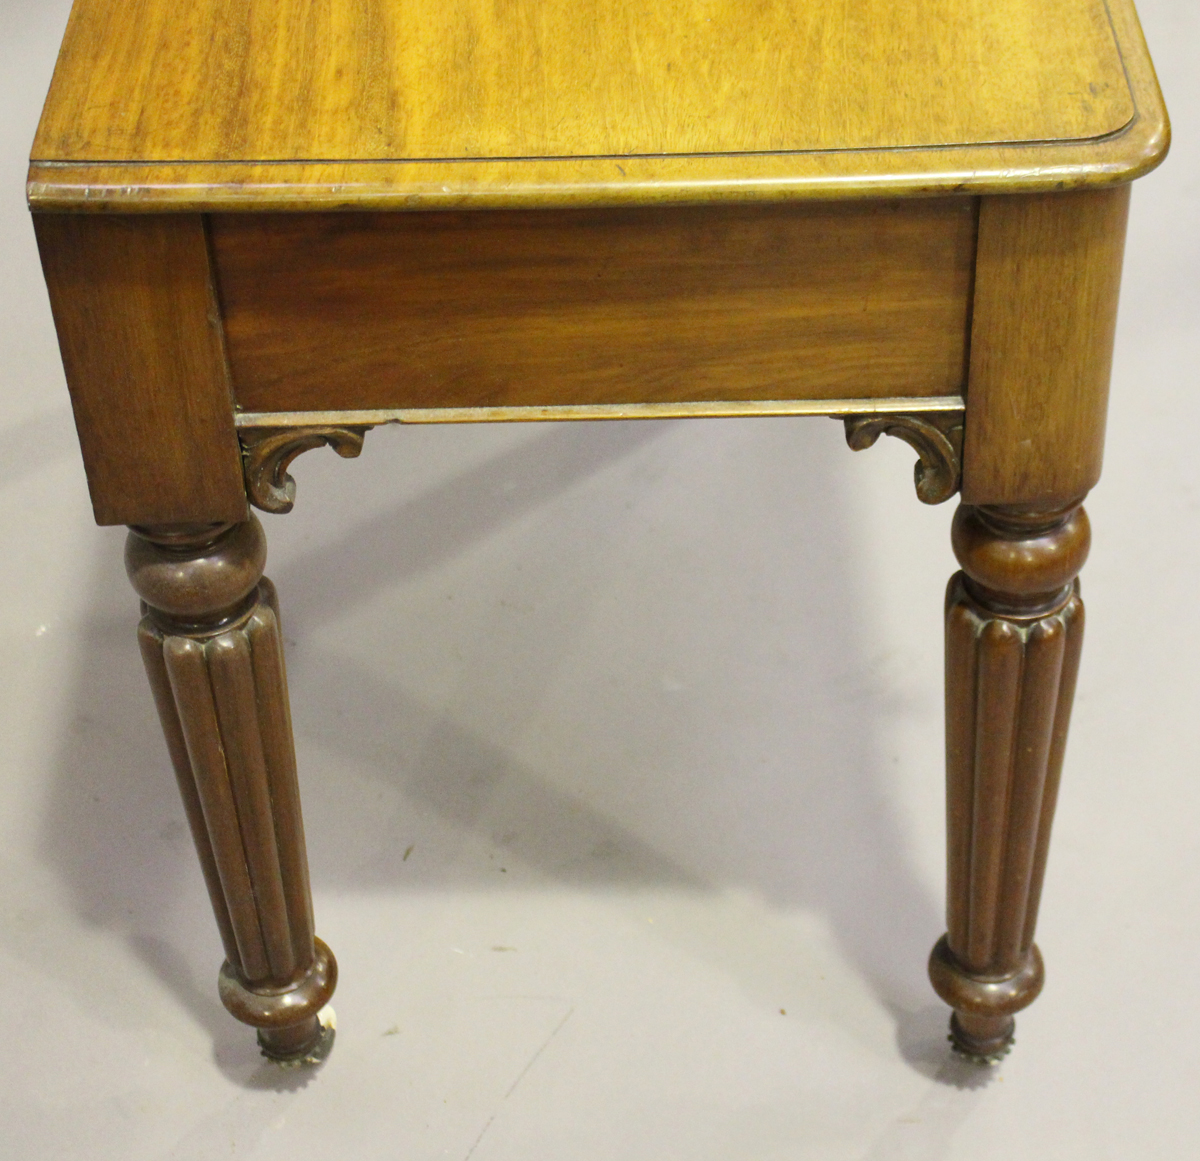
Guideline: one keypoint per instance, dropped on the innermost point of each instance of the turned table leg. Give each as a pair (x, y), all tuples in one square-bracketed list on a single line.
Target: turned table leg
[(1014, 627), (211, 644)]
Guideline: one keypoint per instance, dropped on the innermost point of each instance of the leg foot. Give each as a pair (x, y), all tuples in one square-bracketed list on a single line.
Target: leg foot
[(982, 1039), (298, 1043)]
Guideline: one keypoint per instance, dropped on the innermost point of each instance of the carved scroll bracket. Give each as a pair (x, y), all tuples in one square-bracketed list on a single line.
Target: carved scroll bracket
[(268, 451), (936, 437)]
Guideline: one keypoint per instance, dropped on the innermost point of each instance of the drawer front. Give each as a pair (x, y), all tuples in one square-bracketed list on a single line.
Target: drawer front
[(351, 311)]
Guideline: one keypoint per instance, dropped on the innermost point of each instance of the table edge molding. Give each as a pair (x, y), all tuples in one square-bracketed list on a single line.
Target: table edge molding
[(726, 409)]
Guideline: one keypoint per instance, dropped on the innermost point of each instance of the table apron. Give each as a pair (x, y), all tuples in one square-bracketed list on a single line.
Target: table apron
[(478, 313)]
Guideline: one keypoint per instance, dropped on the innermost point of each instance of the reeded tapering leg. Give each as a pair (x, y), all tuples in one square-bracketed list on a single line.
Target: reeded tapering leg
[(211, 643), (1014, 627)]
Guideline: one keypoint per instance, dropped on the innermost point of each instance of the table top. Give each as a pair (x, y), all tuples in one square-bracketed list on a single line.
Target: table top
[(437, 103)]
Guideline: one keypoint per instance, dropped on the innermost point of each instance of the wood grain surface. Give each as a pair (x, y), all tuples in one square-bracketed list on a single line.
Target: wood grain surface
[(141, 346), (1047, 279), (403, 102), (543, 308), (375, 79)]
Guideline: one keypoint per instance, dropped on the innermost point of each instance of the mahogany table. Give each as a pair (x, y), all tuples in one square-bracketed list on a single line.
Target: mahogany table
[(270, 226)]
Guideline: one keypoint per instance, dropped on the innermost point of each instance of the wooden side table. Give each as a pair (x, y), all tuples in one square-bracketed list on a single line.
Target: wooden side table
[(272, 226)]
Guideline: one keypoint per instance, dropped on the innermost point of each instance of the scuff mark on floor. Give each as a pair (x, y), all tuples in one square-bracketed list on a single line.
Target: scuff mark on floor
[(520, 1077)]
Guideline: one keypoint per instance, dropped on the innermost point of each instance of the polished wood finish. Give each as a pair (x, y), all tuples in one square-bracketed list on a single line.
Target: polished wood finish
[(563, 78), (1045, 312), (211, 644), (140, 336), (1014, 628), (359, 311), (888, 210), (403, 104)]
